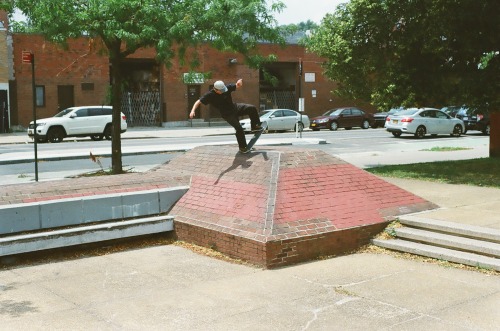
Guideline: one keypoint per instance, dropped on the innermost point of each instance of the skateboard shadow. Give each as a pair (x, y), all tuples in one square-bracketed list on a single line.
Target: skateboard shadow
[(242, 160)]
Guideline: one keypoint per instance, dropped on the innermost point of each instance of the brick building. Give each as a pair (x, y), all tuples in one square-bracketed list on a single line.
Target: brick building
[(154, 94)]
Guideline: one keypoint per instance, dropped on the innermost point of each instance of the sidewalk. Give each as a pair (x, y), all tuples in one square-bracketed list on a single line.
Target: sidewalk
[(173, 288)]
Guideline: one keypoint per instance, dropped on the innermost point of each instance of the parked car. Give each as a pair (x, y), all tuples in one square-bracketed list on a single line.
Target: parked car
[(468, 117), (379, 118), (280, 120), (422, 121), (92, 121), (452, 110), (483, 123), (346, 117), (475, 119)]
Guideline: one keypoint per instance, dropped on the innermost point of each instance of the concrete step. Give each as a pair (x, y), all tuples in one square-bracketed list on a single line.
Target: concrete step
[(454, 242), (78, 235), (440, 253), (459, 229), (449, 241)]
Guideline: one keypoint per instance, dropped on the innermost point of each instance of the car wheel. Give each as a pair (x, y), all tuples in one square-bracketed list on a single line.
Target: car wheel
[(97, 137), (365, 124), (420, 132), (334, 126), (108, 132), (299, 126), (55, 135), (457, 131), (396, 134), (486, 130)]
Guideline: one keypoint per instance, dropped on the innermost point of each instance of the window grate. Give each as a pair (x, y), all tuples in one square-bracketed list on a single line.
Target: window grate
[(142, 108), (278, 99)]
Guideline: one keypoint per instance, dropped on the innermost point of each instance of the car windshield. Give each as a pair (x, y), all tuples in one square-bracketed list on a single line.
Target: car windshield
[(333, 112), (64, 112), (463, 111), (265, 113), (407, 112)]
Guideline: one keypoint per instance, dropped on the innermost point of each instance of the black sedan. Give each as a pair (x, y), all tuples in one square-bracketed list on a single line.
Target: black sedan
[(379, 118)]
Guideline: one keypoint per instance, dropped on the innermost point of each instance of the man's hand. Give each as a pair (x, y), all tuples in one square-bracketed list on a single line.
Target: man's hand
[(193, 110), (239, 83)]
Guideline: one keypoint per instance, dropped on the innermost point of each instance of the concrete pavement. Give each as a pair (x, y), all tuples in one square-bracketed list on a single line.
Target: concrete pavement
[(170, 287)]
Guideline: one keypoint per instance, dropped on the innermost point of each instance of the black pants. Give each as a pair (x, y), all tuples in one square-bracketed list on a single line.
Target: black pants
[(233, 119)]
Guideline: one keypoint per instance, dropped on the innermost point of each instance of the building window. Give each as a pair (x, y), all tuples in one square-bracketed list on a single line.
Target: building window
[(40, 95), (87, 86)]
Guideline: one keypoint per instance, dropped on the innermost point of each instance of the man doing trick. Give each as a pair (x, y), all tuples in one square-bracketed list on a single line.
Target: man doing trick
[(220, 97)]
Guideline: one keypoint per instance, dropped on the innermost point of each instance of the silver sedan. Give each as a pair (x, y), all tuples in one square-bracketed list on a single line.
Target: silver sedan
[(280, 120)]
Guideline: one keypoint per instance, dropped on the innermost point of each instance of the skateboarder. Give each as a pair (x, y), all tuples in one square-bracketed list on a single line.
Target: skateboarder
[(220, 97)]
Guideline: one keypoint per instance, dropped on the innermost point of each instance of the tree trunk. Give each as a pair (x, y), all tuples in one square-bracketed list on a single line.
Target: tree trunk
[(116, 97), (495, 134)]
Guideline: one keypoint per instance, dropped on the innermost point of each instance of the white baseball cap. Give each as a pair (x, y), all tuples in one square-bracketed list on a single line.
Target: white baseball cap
[(219, 85)]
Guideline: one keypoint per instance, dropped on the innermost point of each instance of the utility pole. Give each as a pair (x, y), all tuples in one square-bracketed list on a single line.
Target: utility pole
[(301, 100), (29, 57)]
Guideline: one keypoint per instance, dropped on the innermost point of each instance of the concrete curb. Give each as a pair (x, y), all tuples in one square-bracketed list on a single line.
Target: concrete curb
[(43, 215), (84, 235)]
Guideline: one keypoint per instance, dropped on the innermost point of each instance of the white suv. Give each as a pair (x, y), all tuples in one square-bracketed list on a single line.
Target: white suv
[(93, 121)]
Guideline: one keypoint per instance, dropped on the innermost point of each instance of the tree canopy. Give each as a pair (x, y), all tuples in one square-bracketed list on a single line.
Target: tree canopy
[(413, 52), (170, 26)]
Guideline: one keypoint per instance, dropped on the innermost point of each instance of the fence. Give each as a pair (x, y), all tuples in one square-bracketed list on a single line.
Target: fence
[(278, 99), (142, 108)]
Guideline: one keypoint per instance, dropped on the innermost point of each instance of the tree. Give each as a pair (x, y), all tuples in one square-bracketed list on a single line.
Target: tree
[(172, 27), (303, 26), (415, 53)]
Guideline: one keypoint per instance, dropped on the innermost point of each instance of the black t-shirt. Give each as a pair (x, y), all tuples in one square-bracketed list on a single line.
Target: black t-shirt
[(224, 101)]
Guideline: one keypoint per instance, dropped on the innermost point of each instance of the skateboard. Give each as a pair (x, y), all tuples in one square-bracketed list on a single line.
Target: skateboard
[(256, 136)]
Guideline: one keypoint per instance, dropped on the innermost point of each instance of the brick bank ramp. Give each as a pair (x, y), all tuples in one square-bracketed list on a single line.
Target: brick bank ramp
[(280, 206)]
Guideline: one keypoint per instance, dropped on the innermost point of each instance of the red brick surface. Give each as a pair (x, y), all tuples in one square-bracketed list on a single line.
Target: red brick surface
[(298, 204), (160, 177), (273, 207)]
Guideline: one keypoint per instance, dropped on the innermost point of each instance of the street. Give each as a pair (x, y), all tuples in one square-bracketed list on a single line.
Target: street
[(144, 149)]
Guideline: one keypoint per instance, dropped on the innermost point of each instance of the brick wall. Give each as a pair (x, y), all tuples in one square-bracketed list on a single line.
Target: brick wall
[(278, 253), (81, 63), (4, 63), (292, 251), (56, 66)]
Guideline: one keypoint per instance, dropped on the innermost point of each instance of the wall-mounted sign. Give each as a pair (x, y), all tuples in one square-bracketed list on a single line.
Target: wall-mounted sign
[(27, 57), (194, 78), (310, 77), (301, 105)]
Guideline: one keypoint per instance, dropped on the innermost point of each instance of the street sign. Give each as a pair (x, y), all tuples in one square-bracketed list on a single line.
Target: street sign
[(301, 105), (27, 57)]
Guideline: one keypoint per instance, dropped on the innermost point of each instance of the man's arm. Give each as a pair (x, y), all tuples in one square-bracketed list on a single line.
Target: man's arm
[(193, 110)]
